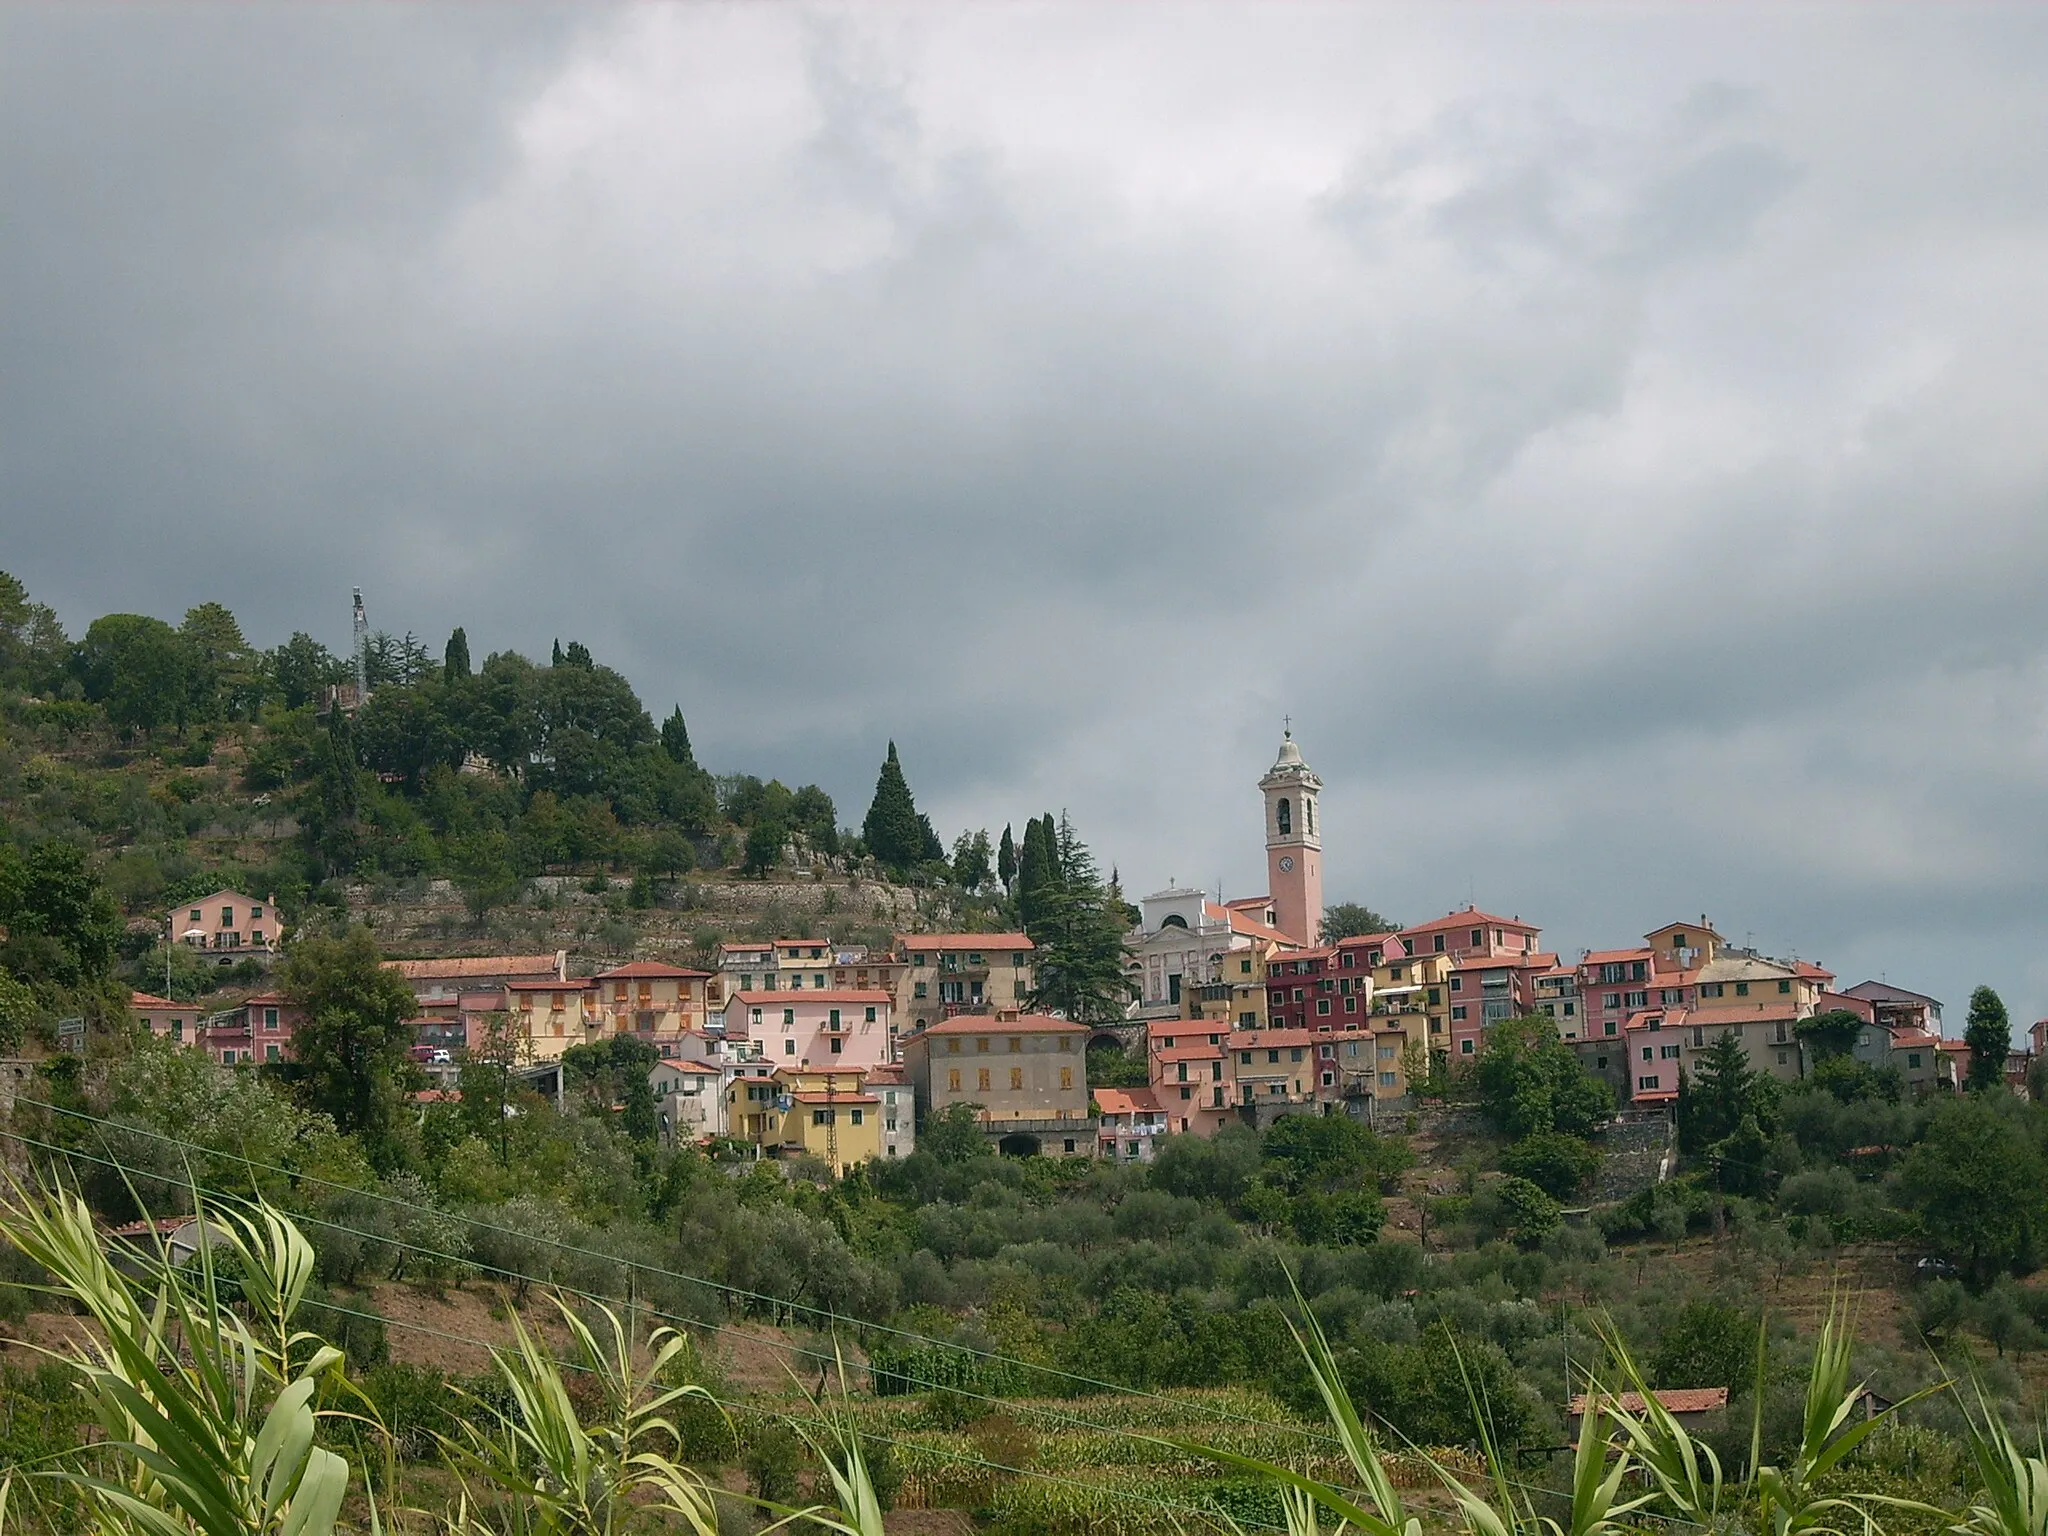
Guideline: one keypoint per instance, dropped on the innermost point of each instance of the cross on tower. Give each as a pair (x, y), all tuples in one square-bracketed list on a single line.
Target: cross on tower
[(1287, 724)]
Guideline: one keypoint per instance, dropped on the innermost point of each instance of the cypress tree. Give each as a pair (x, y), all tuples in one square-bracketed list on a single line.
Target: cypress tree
[(1989, 1036), (1037, 868), (556, 659), (455, 660), (675, 739), (895, 833), (1006, 859)]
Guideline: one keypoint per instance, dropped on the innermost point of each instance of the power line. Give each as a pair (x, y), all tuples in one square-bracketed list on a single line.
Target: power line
[(741, 1407), (1058, 1416), (589, 1253)]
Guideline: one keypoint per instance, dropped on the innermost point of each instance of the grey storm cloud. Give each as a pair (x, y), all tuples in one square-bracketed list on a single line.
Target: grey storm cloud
[(1614, 436)]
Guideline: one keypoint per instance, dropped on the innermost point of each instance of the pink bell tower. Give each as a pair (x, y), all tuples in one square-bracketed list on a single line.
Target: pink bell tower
[(1294, 844)]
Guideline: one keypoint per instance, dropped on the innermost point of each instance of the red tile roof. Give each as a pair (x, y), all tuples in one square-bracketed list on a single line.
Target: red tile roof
[(150, 1000), (1751, 1012), (1673, 1399), (651, 969), (1471, 917), (977, 941), (1189, 1053), (684, 1066), (810, 995), (988, 1024), (1611, 956), (1244, 923), (1267, 1039), (1124, 1101), (580, 984), (844, 1096)]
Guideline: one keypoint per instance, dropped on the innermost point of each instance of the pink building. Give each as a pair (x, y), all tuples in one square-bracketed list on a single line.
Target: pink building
[(1129, 1121), (165, 1019), (1189, 1075), (260, 1031), (813, 1029)]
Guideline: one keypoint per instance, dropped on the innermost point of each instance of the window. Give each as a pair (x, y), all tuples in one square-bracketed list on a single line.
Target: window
[(1351, 1005), (1067, 1043), (1298, 994), (789, 1047), (1295, 1054), (1649, 1053), (953, 1081), (754, 1016), (1067, 1080), (796, 982), (1457, 983), (1609, 1027), (1283, 816), (1272, 1057), (227, 917), (818, 980), (918, 989), (227, 1058), (981, 1045), (952, 1047), (1390, 1080), (1016, 1046), (1329, 1078), (821, 1117), (1638, 999), (1465, 1047), (788, 1017), (1016, 1079), (1478, 937), (1323, 1006), (1668, 1052), (197, 916), (269, 1020), (270, 1053), (1710, 989), (177, 1029), (981, 1080), (1783, 1058), (1742, 989), (1457, 1012), (1436, 997), (1784, 986), (1438, 946), (834, 1017), (1244, 1058), (838, 1045), (858, 1117), (870, 1015), (1570, 1009), (1912, 1059), (1645, 1083), (256, 914)]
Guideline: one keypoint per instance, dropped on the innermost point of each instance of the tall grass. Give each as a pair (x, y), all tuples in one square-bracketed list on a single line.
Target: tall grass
[(217, 1412)]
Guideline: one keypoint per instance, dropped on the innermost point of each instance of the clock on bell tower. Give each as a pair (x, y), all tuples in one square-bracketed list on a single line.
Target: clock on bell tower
[(1294, 843)]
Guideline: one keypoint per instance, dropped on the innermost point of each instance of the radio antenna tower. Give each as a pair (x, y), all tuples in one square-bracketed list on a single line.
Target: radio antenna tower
[(362, 634)]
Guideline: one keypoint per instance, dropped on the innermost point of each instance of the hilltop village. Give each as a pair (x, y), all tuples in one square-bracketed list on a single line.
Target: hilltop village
[(1238, 1013)]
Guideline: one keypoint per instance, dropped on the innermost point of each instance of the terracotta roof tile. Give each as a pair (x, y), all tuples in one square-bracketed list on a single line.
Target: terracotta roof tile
[(989, 1024), (1124, 1101), (1673, 1399), (976, 941), (651, 969)]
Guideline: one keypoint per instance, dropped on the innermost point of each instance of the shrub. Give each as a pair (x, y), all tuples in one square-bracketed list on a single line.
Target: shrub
[(1555, 1163)]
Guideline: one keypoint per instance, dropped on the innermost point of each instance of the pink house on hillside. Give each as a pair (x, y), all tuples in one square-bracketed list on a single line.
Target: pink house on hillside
[(260, 1031), (165, 1019), (813, 1029)]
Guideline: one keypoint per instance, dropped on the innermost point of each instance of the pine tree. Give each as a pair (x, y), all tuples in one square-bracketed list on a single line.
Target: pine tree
[(1727, 1091), (1989, 1036), (1006, 859), (894, 832), (675, 739), (455, 660), (1079, 935)]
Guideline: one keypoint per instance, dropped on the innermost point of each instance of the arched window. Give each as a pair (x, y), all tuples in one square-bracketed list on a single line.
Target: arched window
[(1285, 815), (1308, 817), (1173, 920)]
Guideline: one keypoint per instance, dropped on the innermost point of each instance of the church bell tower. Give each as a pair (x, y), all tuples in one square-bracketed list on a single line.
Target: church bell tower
[(1294, 843)]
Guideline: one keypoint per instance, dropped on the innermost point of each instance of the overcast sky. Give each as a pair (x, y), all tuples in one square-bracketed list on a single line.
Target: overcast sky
[(1618, 437)]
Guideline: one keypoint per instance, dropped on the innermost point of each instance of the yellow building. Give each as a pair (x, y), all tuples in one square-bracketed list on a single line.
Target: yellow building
[(649, 998), (829, 1115), (1237, 998), (1408, 993), (551, 1016)]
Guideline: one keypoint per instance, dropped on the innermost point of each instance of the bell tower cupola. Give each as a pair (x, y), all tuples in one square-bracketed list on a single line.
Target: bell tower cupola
[(1294, 843)]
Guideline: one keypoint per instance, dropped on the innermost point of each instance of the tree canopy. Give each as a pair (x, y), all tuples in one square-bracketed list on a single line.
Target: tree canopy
[(1988, 1033), (1530, 1080)]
